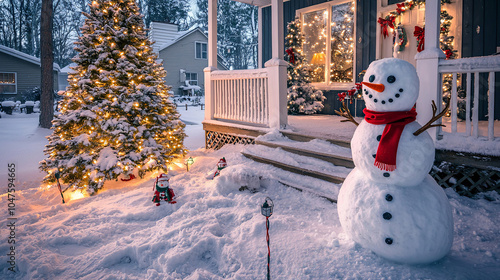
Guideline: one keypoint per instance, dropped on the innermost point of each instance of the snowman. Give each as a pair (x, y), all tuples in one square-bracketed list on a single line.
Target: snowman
[(220, 165), (163, 190), (389, 203)]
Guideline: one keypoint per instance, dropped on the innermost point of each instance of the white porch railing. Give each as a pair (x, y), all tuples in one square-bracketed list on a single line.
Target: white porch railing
[(472, 67), (241, 95)]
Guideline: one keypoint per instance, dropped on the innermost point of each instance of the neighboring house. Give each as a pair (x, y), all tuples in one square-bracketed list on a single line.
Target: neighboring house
[(184, 56), (20, 72)]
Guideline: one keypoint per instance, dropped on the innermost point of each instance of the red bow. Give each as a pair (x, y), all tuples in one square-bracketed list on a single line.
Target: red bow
[(291, 55), (401, 8), (448, 53), (420, 34), (388, 21)]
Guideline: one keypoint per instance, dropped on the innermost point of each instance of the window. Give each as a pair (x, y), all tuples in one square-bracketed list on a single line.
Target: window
[(192, 78), (201, 50), (8, 83), (332, 22)]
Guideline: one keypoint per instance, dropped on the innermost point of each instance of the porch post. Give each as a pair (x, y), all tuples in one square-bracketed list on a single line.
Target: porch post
[(212, 58), (277, 70), (428, 66)]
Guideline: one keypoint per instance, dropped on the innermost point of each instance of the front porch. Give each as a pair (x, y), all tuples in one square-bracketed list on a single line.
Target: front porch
[(242, 105)]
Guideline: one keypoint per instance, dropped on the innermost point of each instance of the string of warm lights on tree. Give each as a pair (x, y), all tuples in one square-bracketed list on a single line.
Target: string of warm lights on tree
[(116, 117)]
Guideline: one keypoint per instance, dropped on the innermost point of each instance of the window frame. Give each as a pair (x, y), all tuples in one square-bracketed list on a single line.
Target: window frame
[(328, 85), (10, 84), (201, 50), (190, 78)]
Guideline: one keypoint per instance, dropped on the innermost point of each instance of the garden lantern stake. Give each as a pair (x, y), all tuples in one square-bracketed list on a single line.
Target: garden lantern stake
[(58, 175), (189, 162), (267, 210)]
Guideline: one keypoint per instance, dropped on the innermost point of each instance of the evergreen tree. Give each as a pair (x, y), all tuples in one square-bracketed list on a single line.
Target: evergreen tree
[(303, 98), (342, 44), (116, 115)]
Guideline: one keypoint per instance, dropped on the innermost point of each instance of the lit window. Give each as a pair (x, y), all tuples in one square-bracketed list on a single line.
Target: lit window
[(8, 83), (338, 17), (201, 50), (315, 39), (192, 78)]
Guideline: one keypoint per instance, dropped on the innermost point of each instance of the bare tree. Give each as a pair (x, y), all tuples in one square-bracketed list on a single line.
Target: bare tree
[(47, 63)]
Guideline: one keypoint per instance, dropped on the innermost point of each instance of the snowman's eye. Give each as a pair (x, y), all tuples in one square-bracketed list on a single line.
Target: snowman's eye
[(391, 79), (371, 79)]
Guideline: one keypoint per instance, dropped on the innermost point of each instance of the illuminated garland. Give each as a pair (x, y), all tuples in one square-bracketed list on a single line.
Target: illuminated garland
[(446, 42)]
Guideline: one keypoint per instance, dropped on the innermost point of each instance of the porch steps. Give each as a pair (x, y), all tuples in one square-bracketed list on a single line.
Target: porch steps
[(306, 138), (338, 160), (317, 158)]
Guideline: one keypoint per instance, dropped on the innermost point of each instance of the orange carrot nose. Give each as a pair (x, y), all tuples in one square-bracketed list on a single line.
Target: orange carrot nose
[(377, 87)]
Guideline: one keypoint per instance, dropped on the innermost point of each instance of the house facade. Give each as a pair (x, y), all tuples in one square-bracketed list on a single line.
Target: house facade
[(184, 56), (20, 72), (247, 102)]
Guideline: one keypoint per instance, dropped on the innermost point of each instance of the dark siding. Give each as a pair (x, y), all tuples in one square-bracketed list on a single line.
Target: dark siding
[(28, 74), (480, 37), (366, 20)]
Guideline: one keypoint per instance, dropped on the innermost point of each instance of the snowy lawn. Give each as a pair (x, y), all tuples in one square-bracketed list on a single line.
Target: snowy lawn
[(215, 231)]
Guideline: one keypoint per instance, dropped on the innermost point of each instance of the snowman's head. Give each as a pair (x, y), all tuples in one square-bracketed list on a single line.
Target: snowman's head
[(162, 181), (390, 85)]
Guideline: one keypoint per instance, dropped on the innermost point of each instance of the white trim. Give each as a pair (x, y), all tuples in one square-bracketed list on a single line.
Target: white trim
[(201, 51), (14, 84), (189, 80), (327, 85), (260, 38)]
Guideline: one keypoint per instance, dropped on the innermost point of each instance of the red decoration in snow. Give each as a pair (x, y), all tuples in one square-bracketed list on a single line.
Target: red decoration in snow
[(291, 54), (387, 22), (419, 33), (131, 176)]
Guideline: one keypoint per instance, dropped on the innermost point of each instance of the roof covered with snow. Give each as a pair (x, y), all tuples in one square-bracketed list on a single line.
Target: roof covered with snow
[(25, 57)]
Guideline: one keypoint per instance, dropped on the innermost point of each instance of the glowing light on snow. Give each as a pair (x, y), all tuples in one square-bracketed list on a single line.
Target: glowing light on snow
[(76, 195)]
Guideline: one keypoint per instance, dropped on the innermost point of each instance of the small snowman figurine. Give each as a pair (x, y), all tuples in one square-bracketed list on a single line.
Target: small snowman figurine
[(220, 165), (163, 190), (389, 203)]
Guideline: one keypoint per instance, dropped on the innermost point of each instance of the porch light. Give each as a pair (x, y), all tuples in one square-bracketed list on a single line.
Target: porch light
[(189, 162), (267, 207)]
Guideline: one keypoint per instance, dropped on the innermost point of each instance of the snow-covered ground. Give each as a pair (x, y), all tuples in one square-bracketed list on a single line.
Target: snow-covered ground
[(215, 231)]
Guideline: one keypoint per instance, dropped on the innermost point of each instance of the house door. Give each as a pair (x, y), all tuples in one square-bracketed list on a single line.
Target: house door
[(405, 25)]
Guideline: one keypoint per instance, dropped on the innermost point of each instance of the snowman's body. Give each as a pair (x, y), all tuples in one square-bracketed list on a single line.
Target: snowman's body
[(401, 214), (403, 224)]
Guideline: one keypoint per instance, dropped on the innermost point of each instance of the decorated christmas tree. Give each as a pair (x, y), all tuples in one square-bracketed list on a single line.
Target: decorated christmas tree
[(342, 44), (303, 98), (116, 117)]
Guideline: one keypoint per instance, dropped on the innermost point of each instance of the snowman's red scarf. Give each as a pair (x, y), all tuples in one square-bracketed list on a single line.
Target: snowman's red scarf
[(388, 147)]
